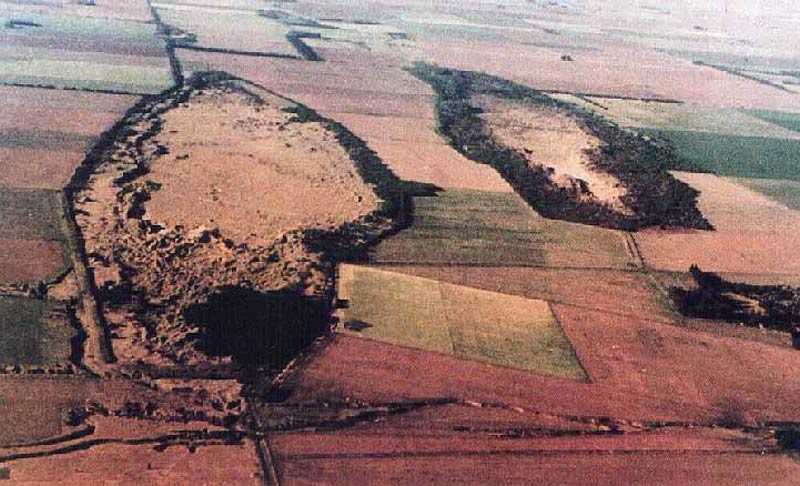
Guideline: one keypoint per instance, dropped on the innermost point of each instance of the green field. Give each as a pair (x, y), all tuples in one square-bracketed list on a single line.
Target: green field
[(467, 227), (785, 192), (789, 121), (473, 324), (34, 332), (31, 214), (736, 156), (492, 228)]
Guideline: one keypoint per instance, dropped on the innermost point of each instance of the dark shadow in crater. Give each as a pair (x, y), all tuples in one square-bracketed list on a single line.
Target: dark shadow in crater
[(258, 328)]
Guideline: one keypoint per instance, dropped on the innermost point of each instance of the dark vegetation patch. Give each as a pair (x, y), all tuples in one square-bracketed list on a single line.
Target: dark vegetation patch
[(258, 328), (769, 306), (654, 197), (734, 155), (306, 52), (21, 24), (31, 214), (790, 121), (34, 332)]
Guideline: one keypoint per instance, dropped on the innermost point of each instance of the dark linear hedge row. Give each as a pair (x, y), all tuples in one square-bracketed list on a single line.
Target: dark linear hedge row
[(654, 196)]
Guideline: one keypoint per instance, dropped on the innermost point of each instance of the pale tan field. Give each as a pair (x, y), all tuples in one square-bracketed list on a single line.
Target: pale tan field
[(753, 233), (232, 180)]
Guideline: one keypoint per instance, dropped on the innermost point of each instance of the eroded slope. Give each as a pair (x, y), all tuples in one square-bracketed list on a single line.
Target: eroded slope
[(223, 189)]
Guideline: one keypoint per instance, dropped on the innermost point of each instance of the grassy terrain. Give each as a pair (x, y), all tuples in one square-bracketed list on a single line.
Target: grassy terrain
[(33, 332), (786, 192), (737, 156), (466, 227), (786, 120), (508, 331), (31, 214), (405, 311), (473, 324)]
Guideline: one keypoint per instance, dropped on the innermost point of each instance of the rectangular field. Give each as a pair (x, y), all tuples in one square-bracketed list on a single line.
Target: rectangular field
[(467, 227), (34, 332), (30, 261), (497, 229), (31, 214), (65, 51), (686, 117), (790, 121), (234, 30), (493, 328)]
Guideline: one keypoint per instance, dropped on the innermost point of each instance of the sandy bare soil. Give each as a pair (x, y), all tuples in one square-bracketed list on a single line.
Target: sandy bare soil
[(550, 138)]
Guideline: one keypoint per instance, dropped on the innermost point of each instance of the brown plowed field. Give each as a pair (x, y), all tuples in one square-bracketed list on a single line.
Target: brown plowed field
[(482, 446), (142, 464), (16, 96), (29, 260), (673, 364)]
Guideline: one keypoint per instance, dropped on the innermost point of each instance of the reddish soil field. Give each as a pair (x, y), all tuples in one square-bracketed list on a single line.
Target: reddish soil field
[(674, 364), (54, 119), (307, 76), (486, 445), (546, 467), (29, 260), (32, 168), (107, 45), (436, 163), (377, 372)]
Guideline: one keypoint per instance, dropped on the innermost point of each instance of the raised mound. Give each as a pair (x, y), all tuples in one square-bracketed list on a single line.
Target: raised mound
[(601, 175), (173, 216)]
